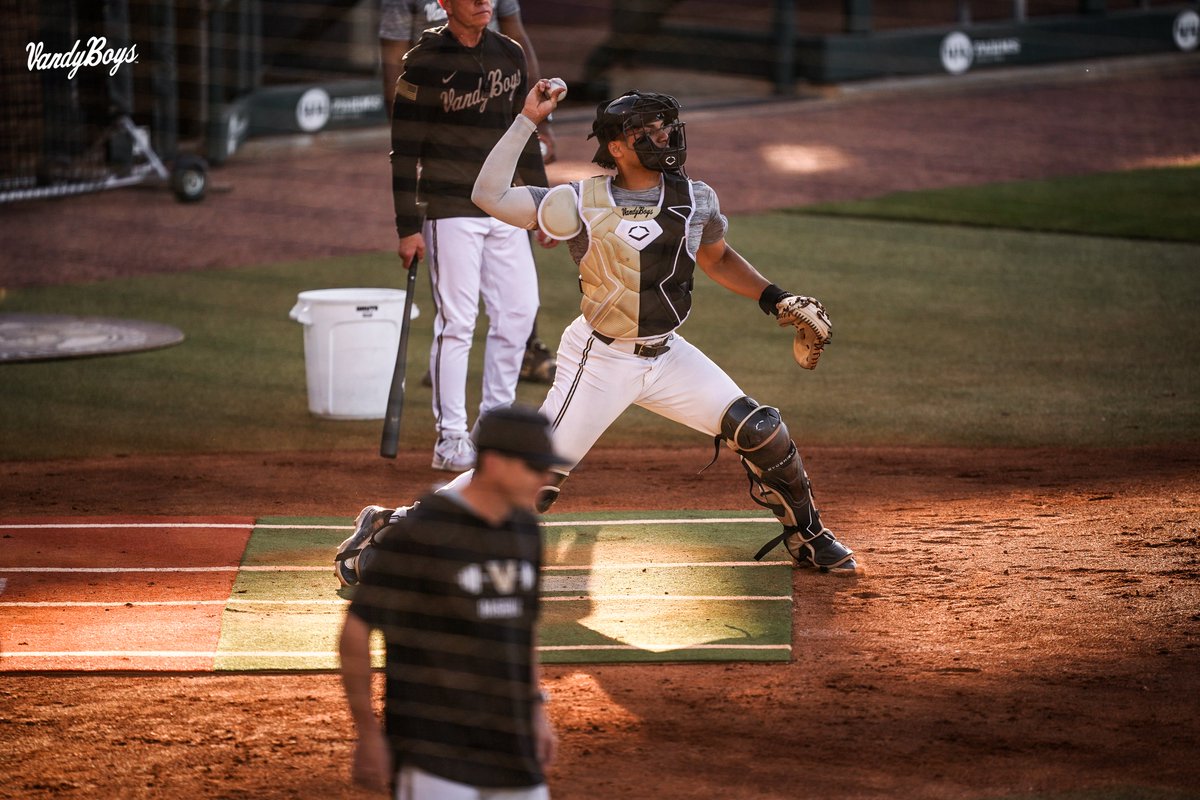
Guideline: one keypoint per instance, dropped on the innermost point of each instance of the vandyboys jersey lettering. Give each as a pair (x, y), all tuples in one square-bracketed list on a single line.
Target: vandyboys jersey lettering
[(453, 103)]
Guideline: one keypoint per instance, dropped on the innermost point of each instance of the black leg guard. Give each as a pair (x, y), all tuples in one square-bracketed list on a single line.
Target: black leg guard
[(778, 482), (549, 493)]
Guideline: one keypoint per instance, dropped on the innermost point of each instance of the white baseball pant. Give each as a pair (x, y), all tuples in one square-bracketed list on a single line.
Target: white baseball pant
[(596, 382), (470, 258)]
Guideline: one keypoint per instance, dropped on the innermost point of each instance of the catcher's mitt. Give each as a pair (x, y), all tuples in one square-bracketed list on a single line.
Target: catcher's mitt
[(813, 329)]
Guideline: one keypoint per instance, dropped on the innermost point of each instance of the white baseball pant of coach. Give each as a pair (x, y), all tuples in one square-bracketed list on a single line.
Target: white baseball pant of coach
[(469, 258)]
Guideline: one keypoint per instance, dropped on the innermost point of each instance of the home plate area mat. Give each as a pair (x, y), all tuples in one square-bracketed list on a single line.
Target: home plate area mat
[(242, 594)]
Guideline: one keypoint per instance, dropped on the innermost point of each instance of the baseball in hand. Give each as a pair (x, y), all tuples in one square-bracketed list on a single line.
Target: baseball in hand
[(559, 86)]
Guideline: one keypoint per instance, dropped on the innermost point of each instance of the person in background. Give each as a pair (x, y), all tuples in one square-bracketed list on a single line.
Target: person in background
[(401, 23), (461, 86)]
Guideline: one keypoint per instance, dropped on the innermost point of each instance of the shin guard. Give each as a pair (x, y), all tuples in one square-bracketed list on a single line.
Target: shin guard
[(778, 482)]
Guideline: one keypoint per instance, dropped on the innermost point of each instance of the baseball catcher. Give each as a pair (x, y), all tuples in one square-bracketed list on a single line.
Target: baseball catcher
[(638, 237)]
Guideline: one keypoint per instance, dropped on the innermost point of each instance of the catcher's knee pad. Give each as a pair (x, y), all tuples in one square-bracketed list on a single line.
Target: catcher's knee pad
[(777, 477), (755, 431), (549, 493)]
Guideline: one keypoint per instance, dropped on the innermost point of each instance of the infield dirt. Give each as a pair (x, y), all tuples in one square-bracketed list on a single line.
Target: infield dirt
[(1030, 620)]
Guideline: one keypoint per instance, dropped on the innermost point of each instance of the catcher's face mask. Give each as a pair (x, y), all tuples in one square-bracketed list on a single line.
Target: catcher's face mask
[(649, 123)]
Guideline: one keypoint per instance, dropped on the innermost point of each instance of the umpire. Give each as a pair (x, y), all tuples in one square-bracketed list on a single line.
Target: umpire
[(454, 587)]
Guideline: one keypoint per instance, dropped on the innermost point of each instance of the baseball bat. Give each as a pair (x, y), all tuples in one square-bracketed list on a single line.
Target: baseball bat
[(390, 440)]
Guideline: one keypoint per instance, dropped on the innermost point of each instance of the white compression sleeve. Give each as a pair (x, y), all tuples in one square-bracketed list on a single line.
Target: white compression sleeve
[(494, 192)]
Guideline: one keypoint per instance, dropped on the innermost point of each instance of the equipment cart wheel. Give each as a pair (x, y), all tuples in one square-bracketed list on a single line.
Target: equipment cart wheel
[(189, 179)]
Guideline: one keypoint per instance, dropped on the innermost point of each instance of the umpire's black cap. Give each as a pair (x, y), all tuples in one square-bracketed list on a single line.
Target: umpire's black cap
[(518, 431)]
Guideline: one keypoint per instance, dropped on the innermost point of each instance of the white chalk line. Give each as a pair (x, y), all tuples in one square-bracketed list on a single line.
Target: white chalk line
[(36, 526), (662, 647), (234, 654), (608, 598), (279, 526), (287, 568)]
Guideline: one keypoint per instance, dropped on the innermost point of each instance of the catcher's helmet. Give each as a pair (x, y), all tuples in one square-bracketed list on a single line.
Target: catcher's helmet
[(632, 112)]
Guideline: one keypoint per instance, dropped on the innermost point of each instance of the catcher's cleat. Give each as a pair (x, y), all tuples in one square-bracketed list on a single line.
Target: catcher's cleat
[(368, 522), (821, 551), (539, 364)]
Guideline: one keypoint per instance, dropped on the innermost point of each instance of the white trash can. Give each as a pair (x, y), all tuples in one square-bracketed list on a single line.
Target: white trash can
[(350, 342)]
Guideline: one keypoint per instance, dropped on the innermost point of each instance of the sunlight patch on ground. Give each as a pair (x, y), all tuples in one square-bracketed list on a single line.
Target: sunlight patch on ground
[(801, 159), (1154, 162)]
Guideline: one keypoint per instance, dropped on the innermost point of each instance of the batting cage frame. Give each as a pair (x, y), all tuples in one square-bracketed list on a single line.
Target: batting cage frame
[(69, 126)]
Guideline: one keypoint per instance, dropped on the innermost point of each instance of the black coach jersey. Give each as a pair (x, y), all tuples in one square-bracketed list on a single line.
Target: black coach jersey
[(453, 103), (457, 601)]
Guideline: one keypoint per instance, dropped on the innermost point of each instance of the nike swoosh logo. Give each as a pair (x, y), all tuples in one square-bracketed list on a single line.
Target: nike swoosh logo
[(449, 77)]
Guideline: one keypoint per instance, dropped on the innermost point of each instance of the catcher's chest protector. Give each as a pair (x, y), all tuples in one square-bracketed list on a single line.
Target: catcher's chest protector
[(636, 276)]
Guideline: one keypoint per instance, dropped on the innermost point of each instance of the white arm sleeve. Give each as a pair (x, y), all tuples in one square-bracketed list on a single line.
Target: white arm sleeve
[(494, 192)]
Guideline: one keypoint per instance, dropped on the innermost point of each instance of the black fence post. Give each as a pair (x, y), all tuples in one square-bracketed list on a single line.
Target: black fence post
[(119, 84), (164, 80), (214, 130), (857, 16), (785, 46)]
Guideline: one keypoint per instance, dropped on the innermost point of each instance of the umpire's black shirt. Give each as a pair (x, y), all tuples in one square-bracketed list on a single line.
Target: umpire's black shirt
[(457, 600), (453, 103)]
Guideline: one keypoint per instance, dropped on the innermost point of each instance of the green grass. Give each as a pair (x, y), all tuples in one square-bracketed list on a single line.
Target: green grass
[(237, 382), (943, 335), (1143, 204)]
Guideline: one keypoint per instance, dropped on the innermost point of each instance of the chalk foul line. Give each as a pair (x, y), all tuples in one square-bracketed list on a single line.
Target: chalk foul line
[(608, 598), (16, 526), (228, 654), (329, 568)]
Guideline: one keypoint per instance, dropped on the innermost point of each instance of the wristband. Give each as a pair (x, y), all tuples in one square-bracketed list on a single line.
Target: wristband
[(770, 297)]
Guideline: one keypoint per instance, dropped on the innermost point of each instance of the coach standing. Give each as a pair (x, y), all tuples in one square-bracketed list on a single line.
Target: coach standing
[(454, 588), (401, 22), (461, 88)]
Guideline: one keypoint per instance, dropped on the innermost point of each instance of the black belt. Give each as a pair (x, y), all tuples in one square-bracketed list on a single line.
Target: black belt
[(639, 349)]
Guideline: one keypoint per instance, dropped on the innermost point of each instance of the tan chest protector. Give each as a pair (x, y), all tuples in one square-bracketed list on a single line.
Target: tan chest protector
[(636, 275)]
